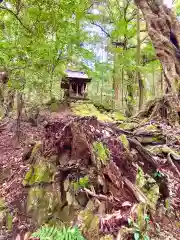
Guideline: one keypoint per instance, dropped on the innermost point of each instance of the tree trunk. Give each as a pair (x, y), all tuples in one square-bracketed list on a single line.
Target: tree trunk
[(115, 81), (138, 62), (130, 95), (163, 31)]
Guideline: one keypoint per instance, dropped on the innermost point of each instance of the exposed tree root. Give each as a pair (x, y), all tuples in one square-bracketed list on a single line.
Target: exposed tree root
[(82, 148), (173, 165), (165, 109)]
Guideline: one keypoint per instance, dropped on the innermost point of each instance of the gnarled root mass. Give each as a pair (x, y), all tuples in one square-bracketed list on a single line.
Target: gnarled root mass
[(97, 175), (165, 109), (113, 180)]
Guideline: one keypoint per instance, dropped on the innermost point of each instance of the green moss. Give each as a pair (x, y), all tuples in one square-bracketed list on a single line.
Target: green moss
[(3, 210), (166, 149), (148, 186), (151, 128), (89, 109), (2, 204), (43, 202), (124, 141), (54, 107), (36, 148), (101, 151), (90, 224), (5, 216), (41, 172), (128, 126), (157, 139), (118, 116)]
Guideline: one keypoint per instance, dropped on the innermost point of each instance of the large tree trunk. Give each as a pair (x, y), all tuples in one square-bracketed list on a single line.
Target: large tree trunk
[(163, 30)]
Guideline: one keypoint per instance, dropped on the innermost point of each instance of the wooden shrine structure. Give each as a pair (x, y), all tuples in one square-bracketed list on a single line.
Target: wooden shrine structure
[(75, 84)]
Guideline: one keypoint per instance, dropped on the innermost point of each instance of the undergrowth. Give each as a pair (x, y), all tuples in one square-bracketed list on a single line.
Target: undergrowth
[(52, 233)]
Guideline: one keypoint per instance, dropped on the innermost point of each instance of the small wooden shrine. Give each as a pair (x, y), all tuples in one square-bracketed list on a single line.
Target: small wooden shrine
[(75, 84)]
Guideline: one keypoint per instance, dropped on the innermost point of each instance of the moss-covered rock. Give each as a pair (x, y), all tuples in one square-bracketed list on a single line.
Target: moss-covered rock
[(128, 125), (88, 109), (54, 107), (118, 116), (42, 202), (89, 224), (42, 172), (36, 152), (149, 187), (151, 139)]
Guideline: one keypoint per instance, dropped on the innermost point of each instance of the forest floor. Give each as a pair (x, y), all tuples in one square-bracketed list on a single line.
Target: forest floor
[(152, 146)]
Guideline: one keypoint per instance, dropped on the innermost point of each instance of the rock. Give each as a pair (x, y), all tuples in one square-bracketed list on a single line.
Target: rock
[(41, 172), (67, 214), (53, 159), (66, 185), (92, 205), (70, 198), (64, 158), (82, 199), (82, 109), (102, 208), (27, 152), (36, 152), (54, 107), (27, 236), (43, 202), (89, 224)]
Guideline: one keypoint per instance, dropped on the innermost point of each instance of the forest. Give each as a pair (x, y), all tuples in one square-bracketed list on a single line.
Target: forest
[(89, 120)]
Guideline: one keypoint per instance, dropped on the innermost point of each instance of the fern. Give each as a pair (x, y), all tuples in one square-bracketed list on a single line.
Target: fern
[(52, 233)]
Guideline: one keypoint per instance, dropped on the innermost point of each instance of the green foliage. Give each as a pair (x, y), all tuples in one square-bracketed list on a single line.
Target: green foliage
[(140, 226), (9, 221), (102, 152), (52, 233), (47, 38), (81, 183), (158, 174), (177, 7)]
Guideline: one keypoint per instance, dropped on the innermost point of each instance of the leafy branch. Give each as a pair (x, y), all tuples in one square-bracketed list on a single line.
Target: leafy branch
[(16, 16)]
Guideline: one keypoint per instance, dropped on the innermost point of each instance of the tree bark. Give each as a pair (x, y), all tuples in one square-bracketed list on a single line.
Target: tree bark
[(138, 62), (163, 31)]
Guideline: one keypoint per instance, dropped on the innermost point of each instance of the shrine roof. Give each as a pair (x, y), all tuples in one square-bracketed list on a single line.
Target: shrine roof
[(76, 75)]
